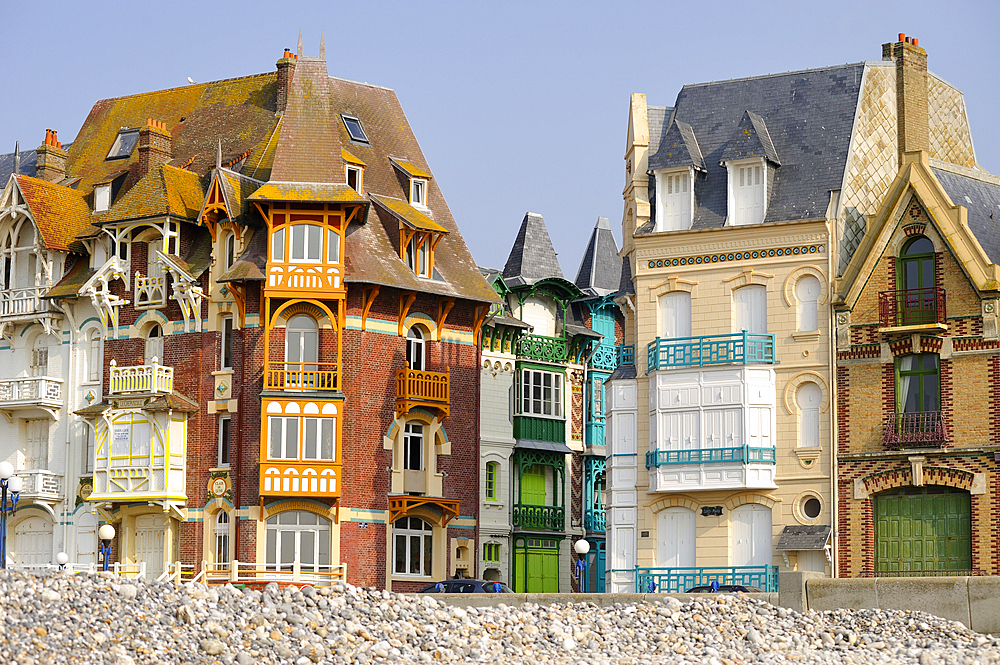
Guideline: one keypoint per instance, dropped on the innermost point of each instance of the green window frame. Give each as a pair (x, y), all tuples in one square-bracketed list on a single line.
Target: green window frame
[(491, 552), (492, 471), (918, 383)]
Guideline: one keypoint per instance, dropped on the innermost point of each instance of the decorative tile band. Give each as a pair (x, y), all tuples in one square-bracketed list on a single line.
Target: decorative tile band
[(737, 256)]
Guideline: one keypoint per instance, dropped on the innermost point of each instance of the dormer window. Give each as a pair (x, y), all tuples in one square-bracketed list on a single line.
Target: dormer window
[(747, 192), (354, 178), (418, 254), (124, 144), (674, 199), (354, 129), (417, 178), (418, 192), (102, 198)]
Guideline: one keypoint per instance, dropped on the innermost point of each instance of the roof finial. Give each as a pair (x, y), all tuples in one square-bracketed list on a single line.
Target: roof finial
[(298, 50), (322, 46), (17, 157), (218, 156)]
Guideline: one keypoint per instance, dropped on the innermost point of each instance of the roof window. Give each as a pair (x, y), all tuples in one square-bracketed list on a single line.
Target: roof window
[(124, 144), (354, 129)]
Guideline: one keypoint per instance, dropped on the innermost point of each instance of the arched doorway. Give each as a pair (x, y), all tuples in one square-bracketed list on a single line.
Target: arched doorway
[(923, 528), (32, 542)]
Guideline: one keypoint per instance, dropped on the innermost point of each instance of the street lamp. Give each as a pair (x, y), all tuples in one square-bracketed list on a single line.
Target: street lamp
[(581, 546), (106, 534), (61, 560), (13, 484)]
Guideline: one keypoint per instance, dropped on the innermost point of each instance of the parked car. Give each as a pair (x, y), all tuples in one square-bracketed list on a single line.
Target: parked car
[(725, 588), (467, 586)]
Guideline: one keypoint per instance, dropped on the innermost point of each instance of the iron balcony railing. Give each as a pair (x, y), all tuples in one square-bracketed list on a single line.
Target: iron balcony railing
[(914, 429), (740, 348), (626, 354), (605, 357), (595, 519), (540, 347), (550, 518), (743, 454), (912, 307), (18, 302), (30, 389), (301, 376), (152, 378), (679, 580)]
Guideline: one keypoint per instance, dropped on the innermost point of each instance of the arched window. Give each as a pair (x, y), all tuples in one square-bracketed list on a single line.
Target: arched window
[(917, 279), (492, 481), (228, 250), (94, 355), (413, 547), (40, 356), (675, 315), (807, 293), (413, 447), (297, 535), (301, 350), (222, 537), (751, 308), (154, 343), (809, 398), (415, 348)]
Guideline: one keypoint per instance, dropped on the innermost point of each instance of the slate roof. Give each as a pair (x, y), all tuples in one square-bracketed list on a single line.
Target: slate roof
[(71, 283), (625, 285), (532, 257), (309, 145), (981, 197), (409, 168), (750, 139), (59, 212), (803, 537), (657, 117), (600, 269), (678, 148), (236, 189), (27, 165), (251, 264), (809, 117)]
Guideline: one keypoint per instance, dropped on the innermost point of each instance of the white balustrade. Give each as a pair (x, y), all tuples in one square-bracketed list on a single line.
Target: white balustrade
[(152, 378), (19, 302), (39, 483), (27, 390)]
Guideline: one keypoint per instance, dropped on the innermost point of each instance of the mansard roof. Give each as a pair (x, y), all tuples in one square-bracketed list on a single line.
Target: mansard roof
[(750, 139), (532, 258), (678, 148), (600, 269)]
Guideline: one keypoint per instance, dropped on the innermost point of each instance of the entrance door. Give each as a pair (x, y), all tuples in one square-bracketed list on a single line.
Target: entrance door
[(675, 536), (536, 566), (752, 535), (298, 535), (32, 543), (923, 528), (150, 534)]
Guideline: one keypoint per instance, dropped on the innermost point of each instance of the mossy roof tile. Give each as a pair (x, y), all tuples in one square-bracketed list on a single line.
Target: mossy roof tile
[(60, 213)]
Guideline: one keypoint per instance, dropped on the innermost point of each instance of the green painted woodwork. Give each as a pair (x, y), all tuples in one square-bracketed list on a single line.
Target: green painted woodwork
[(536, 566), (923, 528), (539, 429), (533, 485), (916, 273)]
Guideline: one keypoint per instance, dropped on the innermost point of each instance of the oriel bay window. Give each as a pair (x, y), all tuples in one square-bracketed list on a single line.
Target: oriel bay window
[(296, 438), (300, 449), (541, 393)]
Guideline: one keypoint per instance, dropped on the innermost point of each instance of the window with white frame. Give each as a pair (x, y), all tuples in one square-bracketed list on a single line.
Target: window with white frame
[(222, 537), (418, 192), (94, 355), (413, 447), (102, 198), (541, 393), (226, 348), (87, 464), (40, 356), (36, 450), (318, 439), (807, 293), (154, 343), (675, 315), (413, 547), (297, 535), (307, 243), (278, 246), (283, 437), (332, 246), (751, 308), (225, 423), (294, 437), (354, 178), (675, 195), (418, 254), (747, 192), (809, 398), (228, 250), (415, 348)]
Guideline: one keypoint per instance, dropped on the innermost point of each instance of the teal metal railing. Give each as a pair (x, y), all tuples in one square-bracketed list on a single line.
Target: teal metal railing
[(540, 347), (605, 357), (740, 348), (626, 354), (595, 519), (679, 580), (551, 518), (744, 454)]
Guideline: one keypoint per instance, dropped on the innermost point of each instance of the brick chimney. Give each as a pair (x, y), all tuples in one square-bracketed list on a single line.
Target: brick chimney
[(51, 163), (155, 146), (286, 65), (911, 94)]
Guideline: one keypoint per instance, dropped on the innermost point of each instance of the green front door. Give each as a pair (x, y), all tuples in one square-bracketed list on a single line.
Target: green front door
[(536, 565), (923, 528)]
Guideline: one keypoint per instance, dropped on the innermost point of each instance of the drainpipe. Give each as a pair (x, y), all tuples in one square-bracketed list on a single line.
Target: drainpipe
[(70, 384)]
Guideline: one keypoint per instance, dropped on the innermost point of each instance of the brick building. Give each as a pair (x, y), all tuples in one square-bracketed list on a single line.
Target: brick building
[(918, 353), (290, 315)]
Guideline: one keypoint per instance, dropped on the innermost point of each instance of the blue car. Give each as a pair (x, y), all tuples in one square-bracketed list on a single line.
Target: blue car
[(467, 586)]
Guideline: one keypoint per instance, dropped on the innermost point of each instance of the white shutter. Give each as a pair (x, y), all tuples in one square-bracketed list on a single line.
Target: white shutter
[(675, 535), (809, 396), (751, 525), (807, 293), (675, 188), (751, 308), (675, 315), (748, 194)]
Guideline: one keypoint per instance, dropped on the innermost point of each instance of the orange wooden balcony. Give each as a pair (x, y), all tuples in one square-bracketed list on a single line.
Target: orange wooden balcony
[(297, 478), (301, 377), (417, 388)]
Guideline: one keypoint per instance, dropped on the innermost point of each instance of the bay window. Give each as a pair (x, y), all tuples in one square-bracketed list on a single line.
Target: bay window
[(541, 393)]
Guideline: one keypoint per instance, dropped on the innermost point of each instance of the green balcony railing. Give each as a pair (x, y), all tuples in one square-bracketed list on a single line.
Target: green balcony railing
[(540, 347), (740, 348), (679, 580), (744, 454), (549, 518)]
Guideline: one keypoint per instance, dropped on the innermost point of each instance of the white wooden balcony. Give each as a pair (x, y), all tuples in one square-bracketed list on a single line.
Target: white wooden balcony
[(31, 392), (151, 291), (41, 485), (151, 378), (23, 302)]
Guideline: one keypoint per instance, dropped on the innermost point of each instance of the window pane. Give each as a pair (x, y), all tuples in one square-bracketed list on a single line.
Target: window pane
[(224, 441), (930, 392), (315, 242), (415, 550), (291, 438), (311, 437), (271, 546), (400, 563), (274, 446), (428, 553), (287, 547), (298, 242), (326, 447), (332, 246), (278, 245), (227, 342)]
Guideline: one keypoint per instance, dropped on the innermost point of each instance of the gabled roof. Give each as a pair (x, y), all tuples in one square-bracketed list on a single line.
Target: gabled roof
[(750, 139), (251, 263), (71, 283), (60, 213), (306, 191), (165, 190), (407, 214), (410, 169), (236, 190), (600, 269), (532, 258), (678, 148), (349, 158)]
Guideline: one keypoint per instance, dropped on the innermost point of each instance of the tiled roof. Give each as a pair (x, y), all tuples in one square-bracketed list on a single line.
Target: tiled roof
[(71, 283), (803, 537), (981, 197), (532, 257), (251, 263), (60, 213), (260, 161), (409, 168), (165, 190), (600, 269), (236, 189), (309, 145), (349, 158), (306, 191), (750, 139), (678, 148), (408, 214)]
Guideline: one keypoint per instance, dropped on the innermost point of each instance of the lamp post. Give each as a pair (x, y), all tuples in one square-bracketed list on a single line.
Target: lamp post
[(106, 534), (581, 546), (61, 560), (13, 484)]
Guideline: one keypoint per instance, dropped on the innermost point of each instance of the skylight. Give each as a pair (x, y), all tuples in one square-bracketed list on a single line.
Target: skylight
[(124, 144), (354, 128)]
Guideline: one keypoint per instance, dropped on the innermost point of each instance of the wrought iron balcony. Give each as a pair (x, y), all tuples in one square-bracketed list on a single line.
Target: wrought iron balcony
[(744, 454), (919, 429), (30, 391), (152, 378), (427, 389), (548, 518), (301, 377), (679, 580), (23, 302), (740, 348), (605, 357), (912, 307), (626, 354), (595, 519), (41, 484), (540, 347)]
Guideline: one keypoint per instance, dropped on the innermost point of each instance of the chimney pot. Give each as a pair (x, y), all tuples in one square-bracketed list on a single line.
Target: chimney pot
[(902, 36), (916, 42), (51, 160)]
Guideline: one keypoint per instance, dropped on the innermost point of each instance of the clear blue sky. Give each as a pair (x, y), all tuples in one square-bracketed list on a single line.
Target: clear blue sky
[(517, 105)]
